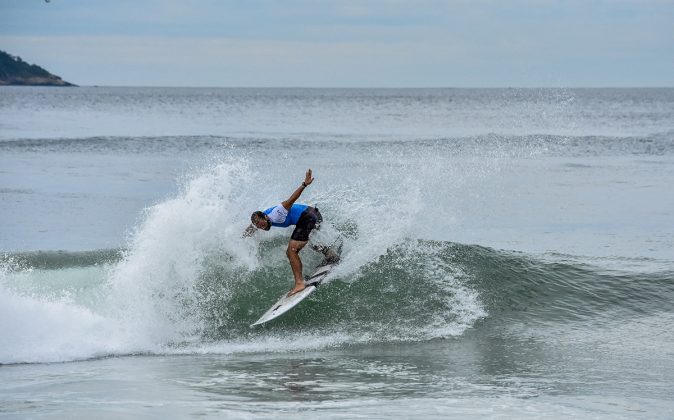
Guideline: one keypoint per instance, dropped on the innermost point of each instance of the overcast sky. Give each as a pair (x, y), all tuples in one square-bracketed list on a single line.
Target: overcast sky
[(366, 43)]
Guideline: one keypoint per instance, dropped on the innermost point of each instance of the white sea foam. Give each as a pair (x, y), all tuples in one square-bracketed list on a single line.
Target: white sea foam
[(150, 300), (37, 330), (152, 290)]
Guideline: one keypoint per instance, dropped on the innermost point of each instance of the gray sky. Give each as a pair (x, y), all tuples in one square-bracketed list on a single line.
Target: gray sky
[(367, 43)]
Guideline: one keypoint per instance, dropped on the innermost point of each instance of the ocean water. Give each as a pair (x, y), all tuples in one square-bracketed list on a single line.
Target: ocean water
[(507, 253)]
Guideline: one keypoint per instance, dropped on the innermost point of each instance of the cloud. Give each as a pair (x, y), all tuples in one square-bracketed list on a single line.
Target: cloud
[(347, 43)]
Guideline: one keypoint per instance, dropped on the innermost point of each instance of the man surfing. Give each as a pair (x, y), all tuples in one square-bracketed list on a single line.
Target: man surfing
[(305, 219)]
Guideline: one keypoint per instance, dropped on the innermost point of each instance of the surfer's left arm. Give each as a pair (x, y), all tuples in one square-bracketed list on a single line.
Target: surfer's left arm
[(308, 179)]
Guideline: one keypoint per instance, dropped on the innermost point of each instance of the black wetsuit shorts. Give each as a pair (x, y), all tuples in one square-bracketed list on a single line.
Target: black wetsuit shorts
[(309, 220)]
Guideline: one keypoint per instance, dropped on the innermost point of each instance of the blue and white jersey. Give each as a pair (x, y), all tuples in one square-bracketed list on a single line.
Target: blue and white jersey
[(280, 217)]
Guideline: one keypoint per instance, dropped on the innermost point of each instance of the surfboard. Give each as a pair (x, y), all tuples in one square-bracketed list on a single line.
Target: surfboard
[(286, 302)]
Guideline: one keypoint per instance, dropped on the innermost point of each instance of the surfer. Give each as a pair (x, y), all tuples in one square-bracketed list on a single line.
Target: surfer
[(305, 219)]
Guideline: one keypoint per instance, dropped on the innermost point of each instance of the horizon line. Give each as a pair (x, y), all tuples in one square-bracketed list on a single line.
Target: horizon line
[(352, 87)]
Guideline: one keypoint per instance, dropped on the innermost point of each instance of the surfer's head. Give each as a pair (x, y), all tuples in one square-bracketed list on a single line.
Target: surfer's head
[(260, 220)]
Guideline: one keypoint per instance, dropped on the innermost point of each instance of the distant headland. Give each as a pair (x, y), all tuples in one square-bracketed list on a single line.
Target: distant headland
[(16, 72)]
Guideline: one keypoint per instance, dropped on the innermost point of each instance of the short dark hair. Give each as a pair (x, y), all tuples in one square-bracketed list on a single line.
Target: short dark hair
[(256, 215)]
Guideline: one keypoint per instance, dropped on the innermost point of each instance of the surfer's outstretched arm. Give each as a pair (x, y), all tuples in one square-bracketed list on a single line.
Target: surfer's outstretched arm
[(308, 179)]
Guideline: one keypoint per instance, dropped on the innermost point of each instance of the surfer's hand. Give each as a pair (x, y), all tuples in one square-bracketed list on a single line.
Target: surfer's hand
[(250, 230), (308, 179)]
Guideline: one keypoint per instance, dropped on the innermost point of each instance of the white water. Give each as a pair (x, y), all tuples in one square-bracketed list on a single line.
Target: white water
[(149, 303)]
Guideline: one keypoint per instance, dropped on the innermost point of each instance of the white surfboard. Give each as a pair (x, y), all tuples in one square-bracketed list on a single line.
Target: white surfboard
[(286, 303)]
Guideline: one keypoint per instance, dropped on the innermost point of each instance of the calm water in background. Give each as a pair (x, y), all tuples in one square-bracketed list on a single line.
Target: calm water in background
[(508, 252)]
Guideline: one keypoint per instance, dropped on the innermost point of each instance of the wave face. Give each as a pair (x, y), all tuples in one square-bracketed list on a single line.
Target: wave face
[(58, 306)]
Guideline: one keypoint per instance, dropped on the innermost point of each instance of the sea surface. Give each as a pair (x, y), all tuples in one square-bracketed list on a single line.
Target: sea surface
[(508, 253)]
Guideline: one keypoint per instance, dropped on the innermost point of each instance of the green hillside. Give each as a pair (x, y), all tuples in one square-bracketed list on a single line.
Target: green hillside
[(15, 71)]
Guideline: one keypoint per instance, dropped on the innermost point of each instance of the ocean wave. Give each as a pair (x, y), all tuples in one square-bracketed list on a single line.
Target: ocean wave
[(485, 144), (186, 281), (416, 291)]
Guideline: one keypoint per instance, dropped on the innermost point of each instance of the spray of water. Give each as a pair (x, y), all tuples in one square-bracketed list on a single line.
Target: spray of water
[(187, 276)]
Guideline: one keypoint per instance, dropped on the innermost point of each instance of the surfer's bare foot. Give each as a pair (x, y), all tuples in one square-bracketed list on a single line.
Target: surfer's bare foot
[(295, 290)]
